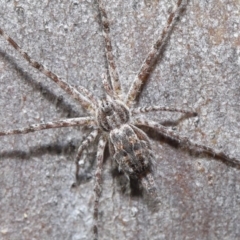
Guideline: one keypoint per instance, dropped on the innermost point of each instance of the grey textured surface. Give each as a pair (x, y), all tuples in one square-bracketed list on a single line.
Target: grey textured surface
[(200, 68)]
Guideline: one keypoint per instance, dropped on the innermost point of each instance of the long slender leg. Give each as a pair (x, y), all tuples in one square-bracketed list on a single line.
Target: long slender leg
[(160, 108), (89, 121), (90, 97), (107, 87), (98, 182), (90, 138), (85, 98), (151, 58), (115, 82), (115, 165), (184, 140)]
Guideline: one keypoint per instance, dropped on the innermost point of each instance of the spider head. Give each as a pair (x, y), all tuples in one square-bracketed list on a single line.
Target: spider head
[(111, 114)]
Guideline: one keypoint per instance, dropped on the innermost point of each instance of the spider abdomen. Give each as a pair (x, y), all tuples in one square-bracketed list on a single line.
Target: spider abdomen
[(131, 153)]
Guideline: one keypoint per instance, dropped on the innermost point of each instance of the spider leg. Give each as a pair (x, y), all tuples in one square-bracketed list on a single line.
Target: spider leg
[(141, 135), (89, 121), (90, 138), (85, 98), (147, 179), (112, 152), (152, 56), (115, 82), (107, 87), (124, 179), (98, 182), (185, 141), (160, 108)]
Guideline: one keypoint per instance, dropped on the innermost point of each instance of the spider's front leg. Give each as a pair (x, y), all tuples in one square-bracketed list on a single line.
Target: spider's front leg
[(89, 121), (115, 82), (82, 95), (153, 54)]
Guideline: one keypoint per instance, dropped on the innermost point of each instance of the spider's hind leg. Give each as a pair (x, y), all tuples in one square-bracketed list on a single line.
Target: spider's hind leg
[(147, 179), (98, 182), (200, 148), (90, 138), (123, 180)]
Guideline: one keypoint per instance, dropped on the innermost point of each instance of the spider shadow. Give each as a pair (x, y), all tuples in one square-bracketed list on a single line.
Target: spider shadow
[(57, 148), (132, 186), (129, 186), (126, 186), (158, 137), (58, 101), (68, 111)]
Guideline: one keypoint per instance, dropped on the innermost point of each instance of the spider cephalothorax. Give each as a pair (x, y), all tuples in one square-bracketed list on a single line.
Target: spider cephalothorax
[(112, 114)]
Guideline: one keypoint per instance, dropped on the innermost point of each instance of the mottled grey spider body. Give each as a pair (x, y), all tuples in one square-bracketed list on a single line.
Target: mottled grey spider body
[(114, 119), (132, 151), (112, 114), (129, 146)]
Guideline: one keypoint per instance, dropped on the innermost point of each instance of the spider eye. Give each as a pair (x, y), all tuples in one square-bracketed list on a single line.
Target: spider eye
[(107, 107), (124, 154)]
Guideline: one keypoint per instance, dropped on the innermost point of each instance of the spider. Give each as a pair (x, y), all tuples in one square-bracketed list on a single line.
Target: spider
[(113, 119)]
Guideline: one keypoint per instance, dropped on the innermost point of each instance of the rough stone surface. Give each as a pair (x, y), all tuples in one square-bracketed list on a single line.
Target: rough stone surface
[(200, 69)]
